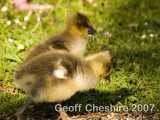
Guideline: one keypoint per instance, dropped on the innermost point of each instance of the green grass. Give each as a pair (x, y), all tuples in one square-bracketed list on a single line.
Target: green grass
[(135, 78)]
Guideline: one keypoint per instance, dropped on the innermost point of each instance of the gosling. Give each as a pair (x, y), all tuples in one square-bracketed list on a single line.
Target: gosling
[(55, 77), (69, 40)]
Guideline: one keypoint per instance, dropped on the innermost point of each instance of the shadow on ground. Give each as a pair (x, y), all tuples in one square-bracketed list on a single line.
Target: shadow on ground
[(47, 110)]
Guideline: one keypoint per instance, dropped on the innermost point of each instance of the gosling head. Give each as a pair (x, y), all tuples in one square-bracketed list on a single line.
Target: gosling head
[(101, 64), (79, 24), (106, 68)]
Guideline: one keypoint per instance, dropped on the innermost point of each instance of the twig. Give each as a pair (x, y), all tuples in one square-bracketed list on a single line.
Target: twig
[(68, 4), (36, 27)]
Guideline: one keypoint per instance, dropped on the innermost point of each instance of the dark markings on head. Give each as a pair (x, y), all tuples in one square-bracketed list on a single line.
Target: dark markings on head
[(83, 21)]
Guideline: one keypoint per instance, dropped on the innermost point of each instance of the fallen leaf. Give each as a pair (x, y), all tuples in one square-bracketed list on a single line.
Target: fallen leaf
[(109, 36), (99, 29), (146, 88), (133, 25)]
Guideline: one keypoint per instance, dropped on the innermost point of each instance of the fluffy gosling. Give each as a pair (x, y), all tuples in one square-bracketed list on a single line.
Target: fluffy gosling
[(55, 77), (69, 40)]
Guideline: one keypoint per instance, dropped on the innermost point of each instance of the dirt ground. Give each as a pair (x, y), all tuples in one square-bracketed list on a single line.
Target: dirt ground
[(96, 116)]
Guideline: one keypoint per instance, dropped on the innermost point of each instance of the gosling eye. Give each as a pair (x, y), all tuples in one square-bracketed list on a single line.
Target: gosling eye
[(85, 25), (109, 68)]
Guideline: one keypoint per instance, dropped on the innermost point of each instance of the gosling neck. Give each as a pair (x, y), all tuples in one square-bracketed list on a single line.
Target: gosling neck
[(73, 30), (95, 67)]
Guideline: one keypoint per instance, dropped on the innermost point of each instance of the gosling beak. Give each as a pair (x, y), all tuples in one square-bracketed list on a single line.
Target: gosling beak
[(107, 79), (91, 31)]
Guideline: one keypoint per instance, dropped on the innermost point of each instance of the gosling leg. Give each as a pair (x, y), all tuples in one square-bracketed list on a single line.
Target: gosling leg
[(20, 111)]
